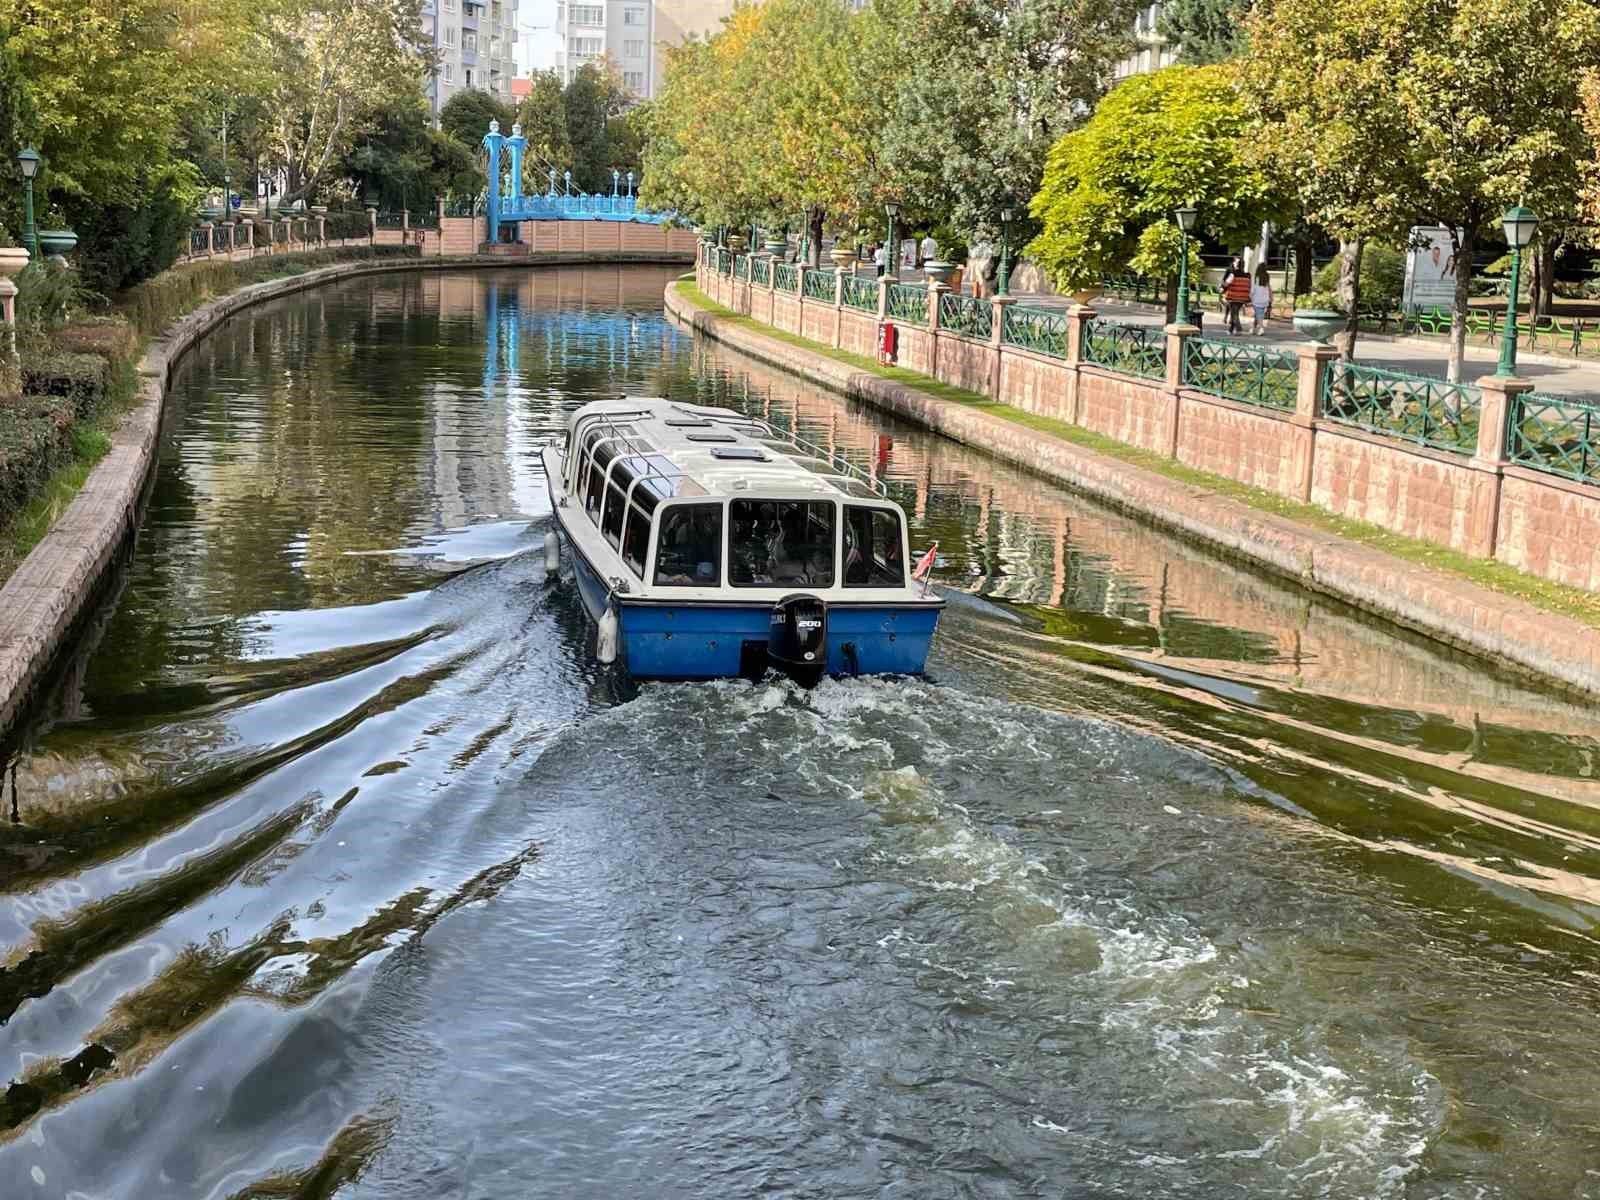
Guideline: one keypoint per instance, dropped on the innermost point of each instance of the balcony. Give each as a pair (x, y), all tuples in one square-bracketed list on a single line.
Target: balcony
[(469, 58)]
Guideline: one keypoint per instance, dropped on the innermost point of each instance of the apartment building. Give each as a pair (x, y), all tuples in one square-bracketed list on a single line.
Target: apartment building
[(475, 40), (622, 30), (1153, 51)]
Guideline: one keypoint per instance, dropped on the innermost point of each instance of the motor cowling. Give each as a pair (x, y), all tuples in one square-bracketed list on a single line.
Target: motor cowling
[(798, 640)]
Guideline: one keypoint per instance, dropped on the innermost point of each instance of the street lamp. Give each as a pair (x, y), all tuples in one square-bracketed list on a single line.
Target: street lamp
[(1186, 219), (891, 261), (1002, 281), (28, 160), (1519, 224)]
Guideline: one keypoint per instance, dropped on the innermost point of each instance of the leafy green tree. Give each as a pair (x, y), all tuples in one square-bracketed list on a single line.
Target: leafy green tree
[(986, 87), (592, 102), (465, 117), (1205, 31), (1157, 143), (1390, 113), (402, 162), (543, 115)]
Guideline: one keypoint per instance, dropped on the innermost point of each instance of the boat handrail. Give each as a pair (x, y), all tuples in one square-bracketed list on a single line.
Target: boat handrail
[(640, 450), (832, 457)]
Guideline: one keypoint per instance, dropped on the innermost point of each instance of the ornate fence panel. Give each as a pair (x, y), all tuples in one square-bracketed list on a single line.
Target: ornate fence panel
[(222, 238), (741, 266), (1248, 374), (819, 285), (968, 315), (908, 303), (761, 270), (1044, 331), (786, 277), (861, 293), (1129, 349), (390, 220), (199, 244), (1556, 435), (1414, 408)]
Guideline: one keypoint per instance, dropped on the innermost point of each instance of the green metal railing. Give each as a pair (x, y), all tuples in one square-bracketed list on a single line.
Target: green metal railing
[(861, 293), (970, 316), (1044, 331), (907, 303), (786, 277), (819, 285), (761, 270), (741, 266), (1248, 374), (1555, 435), (1129, 349), (1414, 408)]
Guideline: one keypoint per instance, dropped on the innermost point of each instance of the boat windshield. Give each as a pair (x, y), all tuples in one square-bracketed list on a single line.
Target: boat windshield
[(873, 554), (776, 543), (689, 546)]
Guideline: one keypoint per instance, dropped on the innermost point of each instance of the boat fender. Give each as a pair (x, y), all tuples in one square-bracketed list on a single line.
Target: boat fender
[(552, 554), (606, 633)]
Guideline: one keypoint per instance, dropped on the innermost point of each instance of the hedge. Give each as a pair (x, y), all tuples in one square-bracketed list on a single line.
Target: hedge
[(155, 304), (35, 439), (80, 379)]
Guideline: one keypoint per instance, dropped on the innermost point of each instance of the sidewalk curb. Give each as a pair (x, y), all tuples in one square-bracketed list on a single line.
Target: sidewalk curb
[(1442, 607)]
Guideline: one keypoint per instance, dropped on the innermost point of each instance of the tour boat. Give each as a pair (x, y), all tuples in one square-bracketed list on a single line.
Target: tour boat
[(706, 544)]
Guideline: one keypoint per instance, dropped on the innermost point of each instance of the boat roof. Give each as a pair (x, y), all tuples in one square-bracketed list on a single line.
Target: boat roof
[(720, 452)]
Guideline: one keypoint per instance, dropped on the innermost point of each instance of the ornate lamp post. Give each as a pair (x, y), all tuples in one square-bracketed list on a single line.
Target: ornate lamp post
[(1186, 219), (891, 253), (28, 160), (1519, 224), (1002, 280)]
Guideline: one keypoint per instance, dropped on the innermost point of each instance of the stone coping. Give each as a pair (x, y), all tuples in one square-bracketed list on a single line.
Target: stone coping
[(1441, 606), (52, 589)]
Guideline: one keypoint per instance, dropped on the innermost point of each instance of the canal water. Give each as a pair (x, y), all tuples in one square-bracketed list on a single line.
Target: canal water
[(339, 868)]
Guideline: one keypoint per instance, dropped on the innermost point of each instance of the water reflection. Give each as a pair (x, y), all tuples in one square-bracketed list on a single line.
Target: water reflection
[(1175, 881)]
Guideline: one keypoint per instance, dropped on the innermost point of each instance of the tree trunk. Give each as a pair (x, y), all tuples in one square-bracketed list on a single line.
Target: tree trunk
[(1458, 307), (1172, 298), (814, 236), (1350, 295), (1547, 275), (1304, 261)]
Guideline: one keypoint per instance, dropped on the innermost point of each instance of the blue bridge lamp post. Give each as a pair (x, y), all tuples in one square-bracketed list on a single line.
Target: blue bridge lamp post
[(1186, 219), (1519, 225), (28, 160)]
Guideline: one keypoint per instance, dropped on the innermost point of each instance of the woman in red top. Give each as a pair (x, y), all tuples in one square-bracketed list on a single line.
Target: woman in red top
[(1235, 294)]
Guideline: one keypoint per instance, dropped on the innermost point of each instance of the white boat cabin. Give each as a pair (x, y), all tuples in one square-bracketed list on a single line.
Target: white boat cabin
[(697, 503)]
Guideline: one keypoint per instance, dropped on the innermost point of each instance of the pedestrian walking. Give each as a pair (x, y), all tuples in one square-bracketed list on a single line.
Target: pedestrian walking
[(878, 258), (1260, 300), (929, 249), (1235, 294)]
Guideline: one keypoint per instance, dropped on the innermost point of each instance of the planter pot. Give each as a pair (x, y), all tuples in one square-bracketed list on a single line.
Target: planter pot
[(12, 260), (1319, 324), (1086, 295), (842, 257), (57, 241), (777, 247), (736, 243), (938, 271)]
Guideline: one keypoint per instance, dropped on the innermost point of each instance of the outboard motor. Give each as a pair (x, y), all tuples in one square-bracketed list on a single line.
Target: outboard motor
[(798, 640)]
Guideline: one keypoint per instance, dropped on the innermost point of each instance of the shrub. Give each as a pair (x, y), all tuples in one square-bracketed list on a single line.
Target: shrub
[(1383, 277), (111, 338), (48, 294), (35, 439), (80, 379), (119, 246)]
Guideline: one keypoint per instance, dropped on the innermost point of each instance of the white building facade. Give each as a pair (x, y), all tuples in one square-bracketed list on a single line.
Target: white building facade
[(476, 42), (623, 31), (1153, 52)]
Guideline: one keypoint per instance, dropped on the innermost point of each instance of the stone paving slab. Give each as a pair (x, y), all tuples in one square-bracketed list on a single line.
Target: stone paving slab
[(1441, 606)]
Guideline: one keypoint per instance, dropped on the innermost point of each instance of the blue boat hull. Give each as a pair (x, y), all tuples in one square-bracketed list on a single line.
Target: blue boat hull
[(708, 640)]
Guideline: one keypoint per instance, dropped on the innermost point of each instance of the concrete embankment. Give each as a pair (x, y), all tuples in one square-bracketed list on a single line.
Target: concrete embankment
[(1445, 607), (53, 589)]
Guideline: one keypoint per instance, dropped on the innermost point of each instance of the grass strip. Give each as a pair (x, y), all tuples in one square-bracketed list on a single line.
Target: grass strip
[(1576, 603)]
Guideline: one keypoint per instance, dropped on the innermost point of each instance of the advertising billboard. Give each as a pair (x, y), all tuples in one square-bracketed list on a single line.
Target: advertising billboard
[(1430, 269)]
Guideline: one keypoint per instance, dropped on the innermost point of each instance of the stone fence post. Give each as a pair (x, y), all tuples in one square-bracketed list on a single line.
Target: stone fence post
[(1078, 318), (211, 237), (936, 291), (1177, 340), (838, 305), (372, 223), (1309, 398), (883, 297), (997, 329), (242, 234), (1500, 393), (322, 230)]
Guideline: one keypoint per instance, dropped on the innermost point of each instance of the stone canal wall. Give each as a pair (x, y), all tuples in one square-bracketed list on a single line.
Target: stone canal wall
[(51, 591), (1274, 433), (1239, 441)]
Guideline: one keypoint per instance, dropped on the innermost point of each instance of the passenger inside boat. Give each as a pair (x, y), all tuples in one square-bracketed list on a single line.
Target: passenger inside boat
[(777, 543), (689, 547), (872, 548)]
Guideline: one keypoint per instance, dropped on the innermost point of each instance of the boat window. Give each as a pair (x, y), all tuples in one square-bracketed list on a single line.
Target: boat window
[(873, 555), (777, 543), (689, 547), (636, 540), (611, 523)]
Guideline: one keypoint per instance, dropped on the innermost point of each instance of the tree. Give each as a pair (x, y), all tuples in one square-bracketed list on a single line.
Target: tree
[(1393, 113), (543, 116), (1204, 31), (1157, 143), (592, 102), (465, 117), (333, 61), (991, 86), (402, 162)]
